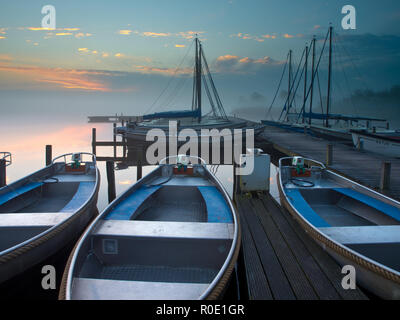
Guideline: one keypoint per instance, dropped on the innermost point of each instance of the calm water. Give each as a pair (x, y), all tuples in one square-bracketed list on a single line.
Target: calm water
[(27, 144)]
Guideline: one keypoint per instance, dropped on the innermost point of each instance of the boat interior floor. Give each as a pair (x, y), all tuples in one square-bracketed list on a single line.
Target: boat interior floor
[(339, 209), (51, 197)]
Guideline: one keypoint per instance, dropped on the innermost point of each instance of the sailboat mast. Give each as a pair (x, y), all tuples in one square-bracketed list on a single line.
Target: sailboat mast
[(312, 79), (198, 77), (305, 82), (290, 84), (329, 77)]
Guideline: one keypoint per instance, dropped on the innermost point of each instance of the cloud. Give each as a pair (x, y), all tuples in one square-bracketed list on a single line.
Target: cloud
[(87, 80), (83, 49), (64, 34), (155, 34), (180, 46), (81, 35), (247, 36), (288, 36), (234, 64), (125, 32), (163, 71), (45, 29), (1, 37), (119, 55)]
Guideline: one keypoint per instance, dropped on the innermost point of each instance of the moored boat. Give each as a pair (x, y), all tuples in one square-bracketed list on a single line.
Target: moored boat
[(172, 235), (43, 212), (354, 224), (383, 142)]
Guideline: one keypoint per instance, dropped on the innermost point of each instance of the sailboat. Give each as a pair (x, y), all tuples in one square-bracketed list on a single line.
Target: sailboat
[(324, 124), (135, 132)]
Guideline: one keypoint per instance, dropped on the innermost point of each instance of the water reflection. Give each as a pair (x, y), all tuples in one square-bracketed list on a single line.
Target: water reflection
[(28, 151)]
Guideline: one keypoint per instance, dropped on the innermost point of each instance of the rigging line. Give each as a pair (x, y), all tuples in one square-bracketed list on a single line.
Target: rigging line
[(346, 79), (176, 91), (170, 80), (209, 94), (320, 93), (216, 95), (277, 90), (352, 62), (294, 96), (316, 69), (291, 87)]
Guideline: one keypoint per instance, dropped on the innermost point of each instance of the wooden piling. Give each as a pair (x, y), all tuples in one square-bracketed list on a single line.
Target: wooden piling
[(94, 141), (385, 175), (329, 154), (110, 180), (2, 172), (114, 140), (49, 154)]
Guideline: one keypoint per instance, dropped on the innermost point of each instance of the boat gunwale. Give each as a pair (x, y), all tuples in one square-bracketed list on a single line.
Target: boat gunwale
[(67, 290), (53, 228), (349, 253)]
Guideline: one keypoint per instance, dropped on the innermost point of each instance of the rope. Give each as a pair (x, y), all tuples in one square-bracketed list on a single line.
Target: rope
[(277, 90)]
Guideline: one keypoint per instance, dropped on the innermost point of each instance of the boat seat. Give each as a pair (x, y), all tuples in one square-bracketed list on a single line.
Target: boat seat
[(304, 208), (364, 234), (372, 202), (167, 229), (14, 193), (93, 289), (125, 209), (81, 195), (217, 208), (32, 219)]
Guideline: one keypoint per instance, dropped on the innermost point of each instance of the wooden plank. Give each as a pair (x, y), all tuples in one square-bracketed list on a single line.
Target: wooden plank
[(297, 279), (257, 284), (276, 277), (363, 167), (317, 277), (327, 264)]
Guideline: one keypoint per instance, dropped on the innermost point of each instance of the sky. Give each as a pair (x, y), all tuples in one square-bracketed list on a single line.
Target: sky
[(135, 57), (117, 57)]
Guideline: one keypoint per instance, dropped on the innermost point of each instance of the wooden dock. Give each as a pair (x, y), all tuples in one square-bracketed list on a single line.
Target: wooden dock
[(280, 260), (360, 166)]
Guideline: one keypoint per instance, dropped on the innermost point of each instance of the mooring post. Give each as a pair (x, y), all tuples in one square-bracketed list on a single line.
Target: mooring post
[(2, 172), (385, 175), (139, 170), (329, 154), (49, 154), (110, 180), (94, 141), (115, 140)]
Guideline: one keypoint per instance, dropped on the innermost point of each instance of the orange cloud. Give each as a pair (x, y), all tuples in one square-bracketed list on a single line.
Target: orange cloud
[(288, 36), (227, 57), (180, 46), (125, 32), (155, 34), (1, 37), (64, 78), (64, 34), (83, 49)]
